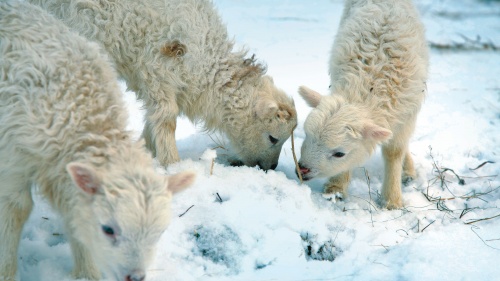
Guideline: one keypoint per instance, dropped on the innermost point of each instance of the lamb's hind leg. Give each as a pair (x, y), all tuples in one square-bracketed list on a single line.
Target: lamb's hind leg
[(15, 206), (159, 131), (409, 172)]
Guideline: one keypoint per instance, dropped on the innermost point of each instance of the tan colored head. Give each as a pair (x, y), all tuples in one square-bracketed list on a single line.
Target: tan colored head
[(339, 135), (259, 139)]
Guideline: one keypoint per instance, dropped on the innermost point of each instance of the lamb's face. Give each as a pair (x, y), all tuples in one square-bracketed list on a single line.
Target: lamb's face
[(339, 136), (259, 140), (333, 143), (125, 219)]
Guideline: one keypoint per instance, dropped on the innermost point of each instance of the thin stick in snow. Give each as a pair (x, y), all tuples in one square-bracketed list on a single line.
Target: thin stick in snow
[(295, 159), (428, 225), (475, 227), (471, 222), (186, 211)]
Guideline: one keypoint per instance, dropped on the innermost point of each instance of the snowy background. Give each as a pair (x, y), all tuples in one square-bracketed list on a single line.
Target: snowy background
[(245, 224)]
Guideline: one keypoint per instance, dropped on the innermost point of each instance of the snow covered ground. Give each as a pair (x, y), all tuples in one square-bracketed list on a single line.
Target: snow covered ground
[(244, 224)]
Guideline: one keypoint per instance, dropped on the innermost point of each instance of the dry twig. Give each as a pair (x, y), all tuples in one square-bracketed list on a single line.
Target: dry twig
[(475, 227), (428, 225), (369, 193), (474, 221), (482, 164), (186, 211), (218, 196), (467, 44), (295, 159)]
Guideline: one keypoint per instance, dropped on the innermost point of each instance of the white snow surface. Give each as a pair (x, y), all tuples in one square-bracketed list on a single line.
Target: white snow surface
[(240, 223)]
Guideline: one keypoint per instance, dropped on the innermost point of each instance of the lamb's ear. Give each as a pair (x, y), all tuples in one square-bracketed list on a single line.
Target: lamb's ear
[(376, 132), (84, 177), (266, 107), (180, 181), (311, 97)]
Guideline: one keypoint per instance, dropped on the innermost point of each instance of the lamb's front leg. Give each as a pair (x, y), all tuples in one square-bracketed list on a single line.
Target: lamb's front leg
[(391, 188), (85, 266), (337, 184), (159, 132), (15, 207)]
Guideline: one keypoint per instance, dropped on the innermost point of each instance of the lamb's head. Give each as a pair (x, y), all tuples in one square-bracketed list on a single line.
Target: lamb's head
[(339, 135), (121, 214), (260, 136)]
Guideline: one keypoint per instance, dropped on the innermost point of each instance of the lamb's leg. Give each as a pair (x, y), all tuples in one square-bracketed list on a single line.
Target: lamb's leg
[(391, 189), (84, 264), (159, 132), (337, 184), (409, 172), (15, 206)]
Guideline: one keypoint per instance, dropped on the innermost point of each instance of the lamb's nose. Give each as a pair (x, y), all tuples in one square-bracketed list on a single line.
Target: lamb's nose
[(136, 275), (266, 168), (303, 170)]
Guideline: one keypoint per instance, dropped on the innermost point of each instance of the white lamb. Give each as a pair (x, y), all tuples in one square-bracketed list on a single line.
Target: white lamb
[(378, 71), (176, 56), (62, 128)]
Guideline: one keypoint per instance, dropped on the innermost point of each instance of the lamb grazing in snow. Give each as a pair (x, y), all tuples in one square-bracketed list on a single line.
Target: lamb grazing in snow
[(378, 71), (176, 56), (62, 128)]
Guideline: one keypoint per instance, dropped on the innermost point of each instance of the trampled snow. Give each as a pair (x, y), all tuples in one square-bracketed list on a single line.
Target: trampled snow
[(240, 223)]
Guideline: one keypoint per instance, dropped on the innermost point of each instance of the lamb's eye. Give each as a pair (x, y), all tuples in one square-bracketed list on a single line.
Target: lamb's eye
[(273, 140), (338, 154), (108, 230)]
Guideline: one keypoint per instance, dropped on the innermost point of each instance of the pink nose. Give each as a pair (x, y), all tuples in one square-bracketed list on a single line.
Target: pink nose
[(304, 171)]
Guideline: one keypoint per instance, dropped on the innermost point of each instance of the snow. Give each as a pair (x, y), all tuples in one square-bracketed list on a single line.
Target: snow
[(240, 223)]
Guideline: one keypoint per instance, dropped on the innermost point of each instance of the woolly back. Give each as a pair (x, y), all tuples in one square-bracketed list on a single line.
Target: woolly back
[(58, 90), (380, 56)]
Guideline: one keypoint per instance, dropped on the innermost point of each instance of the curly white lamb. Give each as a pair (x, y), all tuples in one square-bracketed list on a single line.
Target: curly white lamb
[(62, 129), (378, 72), (176, 56)]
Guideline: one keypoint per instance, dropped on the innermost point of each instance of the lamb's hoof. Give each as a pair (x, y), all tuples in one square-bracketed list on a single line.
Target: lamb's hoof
[(407, 179), (394, 205), (333, 196)]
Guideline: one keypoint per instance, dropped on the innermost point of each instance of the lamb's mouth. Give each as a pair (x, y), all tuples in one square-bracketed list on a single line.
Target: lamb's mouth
[(306, 178), (236, 163)]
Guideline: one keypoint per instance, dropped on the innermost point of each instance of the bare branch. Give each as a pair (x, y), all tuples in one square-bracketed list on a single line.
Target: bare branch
[(186, 211), (295, 159), (474, 221)]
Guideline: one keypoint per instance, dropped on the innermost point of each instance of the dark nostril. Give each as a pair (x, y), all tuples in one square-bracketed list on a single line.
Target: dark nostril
[(135, 277), (272, 167)]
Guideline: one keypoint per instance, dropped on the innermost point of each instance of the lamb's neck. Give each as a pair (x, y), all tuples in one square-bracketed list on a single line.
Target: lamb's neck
[(370, 104), (378, 116), (227, 103)]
